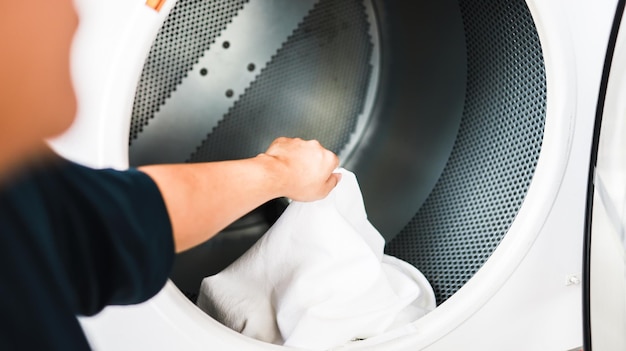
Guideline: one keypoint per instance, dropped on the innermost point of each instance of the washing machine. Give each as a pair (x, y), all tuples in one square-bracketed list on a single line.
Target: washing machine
[(469, 124)]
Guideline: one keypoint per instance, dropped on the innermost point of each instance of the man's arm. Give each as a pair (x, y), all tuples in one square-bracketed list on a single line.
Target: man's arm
[(204, 198)]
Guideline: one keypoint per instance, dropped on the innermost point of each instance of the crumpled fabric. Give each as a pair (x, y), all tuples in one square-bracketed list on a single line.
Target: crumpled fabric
[(318, 279)]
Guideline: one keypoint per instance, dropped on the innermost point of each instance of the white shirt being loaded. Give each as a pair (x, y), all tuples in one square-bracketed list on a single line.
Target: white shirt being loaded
[(318, 279)]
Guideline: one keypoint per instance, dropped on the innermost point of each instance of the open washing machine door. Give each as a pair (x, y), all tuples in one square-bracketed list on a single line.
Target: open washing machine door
[(466, 122), (605, 242)]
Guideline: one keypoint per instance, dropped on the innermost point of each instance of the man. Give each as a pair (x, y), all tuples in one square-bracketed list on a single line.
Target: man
[(73, 239)]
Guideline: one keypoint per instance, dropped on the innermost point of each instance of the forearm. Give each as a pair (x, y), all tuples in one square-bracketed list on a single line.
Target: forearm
[(204, 198)]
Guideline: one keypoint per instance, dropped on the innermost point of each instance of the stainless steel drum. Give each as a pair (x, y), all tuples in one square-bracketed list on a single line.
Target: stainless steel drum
[(438, 107)]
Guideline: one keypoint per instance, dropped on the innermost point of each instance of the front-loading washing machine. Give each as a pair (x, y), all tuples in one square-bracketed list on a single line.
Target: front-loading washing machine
[(468, 123)]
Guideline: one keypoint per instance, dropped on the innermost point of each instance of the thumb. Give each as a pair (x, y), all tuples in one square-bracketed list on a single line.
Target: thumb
[(332, 181)]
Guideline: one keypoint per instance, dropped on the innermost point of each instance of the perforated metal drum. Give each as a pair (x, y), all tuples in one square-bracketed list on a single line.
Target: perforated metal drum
[(437, 107)]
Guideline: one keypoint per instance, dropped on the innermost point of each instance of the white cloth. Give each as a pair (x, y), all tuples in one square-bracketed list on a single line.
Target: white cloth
[(318, 278)]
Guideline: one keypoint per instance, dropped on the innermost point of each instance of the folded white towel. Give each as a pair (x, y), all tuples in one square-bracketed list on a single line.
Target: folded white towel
[(318, 278)]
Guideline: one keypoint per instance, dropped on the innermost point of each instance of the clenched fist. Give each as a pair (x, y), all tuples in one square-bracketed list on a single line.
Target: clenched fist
[(304, 169)]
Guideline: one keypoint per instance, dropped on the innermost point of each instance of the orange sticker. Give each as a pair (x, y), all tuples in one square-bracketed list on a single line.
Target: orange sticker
[(155, 4)]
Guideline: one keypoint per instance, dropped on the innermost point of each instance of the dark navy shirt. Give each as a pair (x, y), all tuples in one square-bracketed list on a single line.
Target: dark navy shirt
[(73, 240)]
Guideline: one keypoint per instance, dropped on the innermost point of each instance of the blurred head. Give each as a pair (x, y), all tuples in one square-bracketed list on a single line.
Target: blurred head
[(36, 96)]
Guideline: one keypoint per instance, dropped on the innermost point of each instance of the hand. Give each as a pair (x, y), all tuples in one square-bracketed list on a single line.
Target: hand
[(303, 169)]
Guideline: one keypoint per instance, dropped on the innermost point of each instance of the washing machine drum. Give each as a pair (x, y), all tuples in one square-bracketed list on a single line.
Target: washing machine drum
[(437, 106)]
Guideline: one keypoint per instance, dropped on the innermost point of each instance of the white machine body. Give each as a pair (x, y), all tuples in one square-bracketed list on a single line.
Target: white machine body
[(527, 296)]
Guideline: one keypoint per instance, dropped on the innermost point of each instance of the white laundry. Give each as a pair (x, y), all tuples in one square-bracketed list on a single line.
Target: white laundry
[(318, 279)]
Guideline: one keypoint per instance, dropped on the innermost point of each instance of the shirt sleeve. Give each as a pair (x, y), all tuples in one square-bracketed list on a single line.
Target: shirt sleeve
[(104, 236), (74, 239)]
